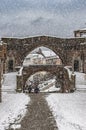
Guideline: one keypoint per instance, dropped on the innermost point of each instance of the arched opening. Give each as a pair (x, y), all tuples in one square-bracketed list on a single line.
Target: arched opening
[(45, 81), (39, 60), (76, 65), (60, 74), (42, 55), (10, 65), (38, 57)]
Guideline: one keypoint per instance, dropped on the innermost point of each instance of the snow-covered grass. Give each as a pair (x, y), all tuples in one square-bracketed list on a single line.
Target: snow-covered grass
[(13, 106), (69, 109)]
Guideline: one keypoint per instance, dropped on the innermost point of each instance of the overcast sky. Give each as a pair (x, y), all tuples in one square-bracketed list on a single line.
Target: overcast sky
[(23, 18)]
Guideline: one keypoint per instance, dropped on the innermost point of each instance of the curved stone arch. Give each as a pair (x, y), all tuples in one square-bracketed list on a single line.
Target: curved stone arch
[(22, 47), (25, 77), (34, 73), (61, 46), (60, 72), (57, 51)]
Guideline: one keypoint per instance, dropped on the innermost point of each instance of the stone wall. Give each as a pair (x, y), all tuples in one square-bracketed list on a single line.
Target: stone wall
[(68, 50)]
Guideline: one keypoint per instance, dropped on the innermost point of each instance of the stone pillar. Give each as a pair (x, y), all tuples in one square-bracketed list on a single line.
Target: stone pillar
[(65, 82), (19, 83), (59, 82), (73, 83)]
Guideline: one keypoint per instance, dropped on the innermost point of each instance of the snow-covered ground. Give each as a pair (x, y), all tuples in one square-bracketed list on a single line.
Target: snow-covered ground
[(80, 80), (9, 81), (13, 106), (52, 89), (69, 110), (48, 86)]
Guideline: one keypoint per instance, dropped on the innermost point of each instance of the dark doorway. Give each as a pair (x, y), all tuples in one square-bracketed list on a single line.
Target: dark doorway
[(10, 65), (76, 65)]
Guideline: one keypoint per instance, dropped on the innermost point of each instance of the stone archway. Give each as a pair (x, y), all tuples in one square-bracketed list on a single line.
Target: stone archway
[(60, 72), (22, 47), (57, 51), (65, 48), (42, 55)]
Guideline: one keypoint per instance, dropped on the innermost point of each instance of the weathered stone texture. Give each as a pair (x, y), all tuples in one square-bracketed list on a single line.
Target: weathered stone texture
[(67, 49), (62, 77), (19, 83), (71, 51), (3, 55)]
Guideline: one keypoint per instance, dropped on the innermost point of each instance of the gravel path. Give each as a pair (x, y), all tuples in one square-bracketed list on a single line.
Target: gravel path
[(38, 116)]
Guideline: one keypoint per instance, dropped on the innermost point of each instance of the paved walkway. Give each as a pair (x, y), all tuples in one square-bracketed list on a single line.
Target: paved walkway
[(38, 116)]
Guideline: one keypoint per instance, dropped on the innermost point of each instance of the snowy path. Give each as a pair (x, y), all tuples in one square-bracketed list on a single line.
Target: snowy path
[(39, 116)]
